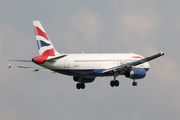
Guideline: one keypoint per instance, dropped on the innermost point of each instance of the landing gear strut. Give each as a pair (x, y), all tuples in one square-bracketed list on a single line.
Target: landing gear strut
[(80, 85), (114, 82)]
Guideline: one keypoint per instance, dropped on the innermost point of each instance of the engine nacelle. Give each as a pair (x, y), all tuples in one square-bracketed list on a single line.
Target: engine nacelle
[(137, 73), (85, 79)]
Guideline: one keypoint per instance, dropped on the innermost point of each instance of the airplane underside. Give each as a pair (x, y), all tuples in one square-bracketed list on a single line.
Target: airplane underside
[(89, 72), (86, 76), (86, 73)]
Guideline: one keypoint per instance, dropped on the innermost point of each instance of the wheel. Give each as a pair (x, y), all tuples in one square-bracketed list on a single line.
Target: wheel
[(82, 85), (134, 83), (112, 83), (116, 83), (78, 86)]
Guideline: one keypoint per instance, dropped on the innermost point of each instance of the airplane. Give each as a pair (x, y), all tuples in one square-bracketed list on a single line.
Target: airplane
[(84, 68)]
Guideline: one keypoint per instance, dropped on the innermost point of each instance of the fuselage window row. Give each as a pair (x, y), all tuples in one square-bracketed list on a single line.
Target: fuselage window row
[(124, 61)]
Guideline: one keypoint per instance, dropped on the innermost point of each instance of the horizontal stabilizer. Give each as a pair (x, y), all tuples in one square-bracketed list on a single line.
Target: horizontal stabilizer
[(21, 60), (22, 66), (35, 69), (53, 59)]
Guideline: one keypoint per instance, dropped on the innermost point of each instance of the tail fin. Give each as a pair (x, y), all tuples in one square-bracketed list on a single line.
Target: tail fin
[(45, 46)]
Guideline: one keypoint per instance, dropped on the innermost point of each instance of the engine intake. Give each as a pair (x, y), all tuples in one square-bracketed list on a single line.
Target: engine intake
[(137, 73)]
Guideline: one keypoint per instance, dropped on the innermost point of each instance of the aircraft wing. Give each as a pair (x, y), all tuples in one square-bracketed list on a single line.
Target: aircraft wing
[(134, 63)]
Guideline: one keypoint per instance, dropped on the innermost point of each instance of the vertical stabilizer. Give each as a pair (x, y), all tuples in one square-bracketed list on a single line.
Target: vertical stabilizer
[(44, 44)]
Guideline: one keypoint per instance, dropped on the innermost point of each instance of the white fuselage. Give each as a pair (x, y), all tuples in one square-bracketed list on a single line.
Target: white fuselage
[(84, 64)]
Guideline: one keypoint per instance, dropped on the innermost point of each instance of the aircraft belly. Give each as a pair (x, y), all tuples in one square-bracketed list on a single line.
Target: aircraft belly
[(85, 73)]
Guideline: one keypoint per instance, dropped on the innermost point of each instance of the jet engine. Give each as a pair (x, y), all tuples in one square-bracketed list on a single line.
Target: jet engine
[(137, 73)]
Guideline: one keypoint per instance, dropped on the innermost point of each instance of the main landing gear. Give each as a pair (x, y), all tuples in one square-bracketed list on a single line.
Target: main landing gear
[(114, 82), (80, 85)]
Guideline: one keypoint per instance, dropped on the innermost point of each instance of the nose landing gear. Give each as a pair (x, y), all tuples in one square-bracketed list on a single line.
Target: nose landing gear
[(134, 83)]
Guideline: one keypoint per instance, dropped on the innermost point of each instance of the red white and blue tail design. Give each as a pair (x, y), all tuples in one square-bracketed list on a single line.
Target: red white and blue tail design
[(45, 46)]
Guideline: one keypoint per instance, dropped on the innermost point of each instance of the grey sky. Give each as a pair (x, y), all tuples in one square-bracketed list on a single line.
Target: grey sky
[(144, 27)]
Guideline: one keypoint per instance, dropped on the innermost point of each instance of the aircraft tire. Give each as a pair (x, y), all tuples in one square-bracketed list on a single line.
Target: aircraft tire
[(116, 83), (134, 83), (82, 85), (78, 86), (112, 83)]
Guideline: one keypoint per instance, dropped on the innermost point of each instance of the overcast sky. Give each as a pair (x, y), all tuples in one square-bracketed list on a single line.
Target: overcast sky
[(95, 26)]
